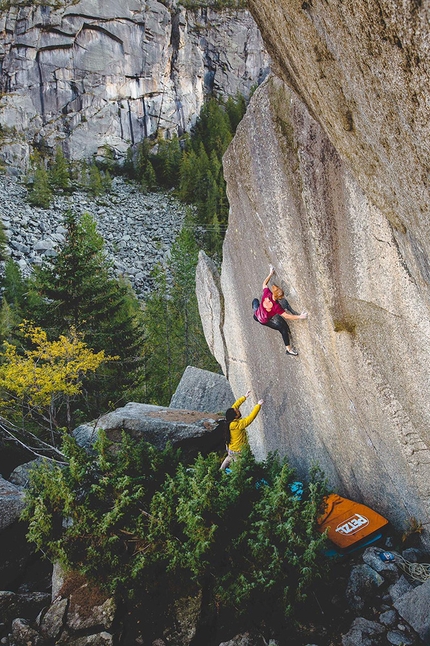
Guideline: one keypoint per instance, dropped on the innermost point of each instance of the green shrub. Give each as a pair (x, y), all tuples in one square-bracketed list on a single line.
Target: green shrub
[(126, 512)]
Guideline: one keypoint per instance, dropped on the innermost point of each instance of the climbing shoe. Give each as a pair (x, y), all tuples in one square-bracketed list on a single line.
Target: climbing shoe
[(292, 352)]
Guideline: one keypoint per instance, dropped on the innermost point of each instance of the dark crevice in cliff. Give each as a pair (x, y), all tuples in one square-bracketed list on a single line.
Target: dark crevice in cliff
[(41, 97), (130, 123), (102, 30), (175, 38), (100, 19)]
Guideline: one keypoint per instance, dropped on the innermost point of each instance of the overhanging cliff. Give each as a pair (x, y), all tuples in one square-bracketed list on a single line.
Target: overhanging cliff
[(339, 204)]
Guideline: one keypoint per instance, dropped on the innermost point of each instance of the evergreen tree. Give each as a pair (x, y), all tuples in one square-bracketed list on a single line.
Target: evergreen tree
[(188, 177), (40, 193), (213, 128), (3, 243), (174, 337), (19, 302), (159, 384), (59, 172), (235, 109), (142, 169), (135, 514), (78, 292), (95, 180), (166, 162)]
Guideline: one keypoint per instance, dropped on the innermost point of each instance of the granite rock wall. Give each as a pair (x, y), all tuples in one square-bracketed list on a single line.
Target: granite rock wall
[(92, 76), (328, 181), (355, 400)]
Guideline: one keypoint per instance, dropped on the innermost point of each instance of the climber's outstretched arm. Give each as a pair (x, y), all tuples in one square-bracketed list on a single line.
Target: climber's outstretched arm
[(293, 317), (266, 280)]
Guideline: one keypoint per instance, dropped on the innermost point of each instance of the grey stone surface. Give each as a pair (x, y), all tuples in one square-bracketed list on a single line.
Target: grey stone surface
[(21, 474), (400, 638), (99, 639), (362, 77), (400, 588), (202, 390), (138, 229), (389, 571), (11, 503), (107, 74), (362, 585), (388, 618), (191, 431), (23, 634), (363, 633), (355, 400), (53, 620), (245, 639), (414, 608), (81, 617), (211, 308)]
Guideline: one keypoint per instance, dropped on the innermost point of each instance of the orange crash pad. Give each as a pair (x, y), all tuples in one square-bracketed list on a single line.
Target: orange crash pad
[(349, 522)]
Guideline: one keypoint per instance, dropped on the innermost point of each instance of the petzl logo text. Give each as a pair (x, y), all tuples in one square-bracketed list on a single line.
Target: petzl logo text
[(352, 525)]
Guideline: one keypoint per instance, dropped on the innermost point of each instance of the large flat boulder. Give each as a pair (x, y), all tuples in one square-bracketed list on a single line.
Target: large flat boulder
[(191, 431)]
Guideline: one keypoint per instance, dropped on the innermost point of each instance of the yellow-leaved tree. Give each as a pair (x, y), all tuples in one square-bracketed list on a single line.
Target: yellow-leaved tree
[(46, 377)]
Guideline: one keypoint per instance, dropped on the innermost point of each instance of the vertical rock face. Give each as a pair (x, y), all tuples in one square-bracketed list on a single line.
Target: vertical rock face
[(355, 400), (106, 74)]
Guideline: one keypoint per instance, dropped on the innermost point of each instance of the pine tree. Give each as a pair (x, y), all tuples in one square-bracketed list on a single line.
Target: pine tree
[(95, 180), (78, 292), (59, 172), (40, 193), (3, 243), (19, 302), (166, 162), (235, 109), (174, 336), (189, 177), (159, 384)]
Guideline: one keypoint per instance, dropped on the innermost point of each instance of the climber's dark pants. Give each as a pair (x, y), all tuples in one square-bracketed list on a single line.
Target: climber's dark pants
[(276, 323)]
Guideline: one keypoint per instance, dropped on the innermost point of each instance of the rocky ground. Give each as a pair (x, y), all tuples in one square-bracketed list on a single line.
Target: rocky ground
[(138, 228)]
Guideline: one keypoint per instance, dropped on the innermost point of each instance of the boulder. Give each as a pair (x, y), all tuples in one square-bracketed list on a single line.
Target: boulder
[(211, 308), (364, 633), (362, 584), (53, 620), (399, 589), (11, 503), (247, 639), (202, 390), (190, 431), (98, 639), (389, 571), (21, 474), (27, 606), (413, 607), (23, 634)]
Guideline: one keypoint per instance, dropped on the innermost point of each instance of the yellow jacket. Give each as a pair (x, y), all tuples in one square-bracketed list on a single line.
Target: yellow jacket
[(237, 427)]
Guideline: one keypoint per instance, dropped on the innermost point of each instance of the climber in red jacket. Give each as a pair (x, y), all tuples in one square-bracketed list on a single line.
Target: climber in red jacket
[(269, 312)]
